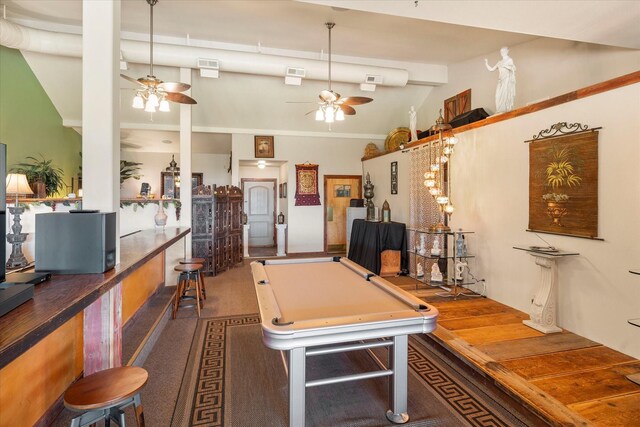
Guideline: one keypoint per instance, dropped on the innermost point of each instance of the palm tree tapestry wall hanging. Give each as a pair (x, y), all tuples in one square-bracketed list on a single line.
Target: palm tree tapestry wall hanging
[(563, 180)]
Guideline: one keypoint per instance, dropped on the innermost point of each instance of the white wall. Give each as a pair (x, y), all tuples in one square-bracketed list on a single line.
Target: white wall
[(544, 68), (213, 166), (333, 155), (490, 173)]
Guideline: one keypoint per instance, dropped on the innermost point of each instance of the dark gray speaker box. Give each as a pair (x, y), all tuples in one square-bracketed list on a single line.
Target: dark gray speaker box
[(75, 243)]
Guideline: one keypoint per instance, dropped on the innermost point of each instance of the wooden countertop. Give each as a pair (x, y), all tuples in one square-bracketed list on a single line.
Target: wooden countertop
[(63, 296)]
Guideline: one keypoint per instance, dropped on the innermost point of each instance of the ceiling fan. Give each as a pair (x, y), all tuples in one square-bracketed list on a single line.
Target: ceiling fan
[(154, 93), (331, 106)]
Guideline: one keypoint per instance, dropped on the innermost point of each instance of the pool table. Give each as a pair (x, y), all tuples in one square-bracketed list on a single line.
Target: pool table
[(314, 306)]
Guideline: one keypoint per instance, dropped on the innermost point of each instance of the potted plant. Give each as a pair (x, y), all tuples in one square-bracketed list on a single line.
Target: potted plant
[(129, 170), (44, 177)]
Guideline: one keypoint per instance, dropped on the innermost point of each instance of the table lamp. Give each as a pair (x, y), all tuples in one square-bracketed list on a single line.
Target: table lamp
[(17, 184)]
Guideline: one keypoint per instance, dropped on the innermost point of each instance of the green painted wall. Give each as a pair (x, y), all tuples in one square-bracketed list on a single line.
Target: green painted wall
[(29, 123)]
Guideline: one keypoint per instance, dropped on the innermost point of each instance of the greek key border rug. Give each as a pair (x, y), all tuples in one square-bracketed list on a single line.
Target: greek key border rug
[(228, 354)]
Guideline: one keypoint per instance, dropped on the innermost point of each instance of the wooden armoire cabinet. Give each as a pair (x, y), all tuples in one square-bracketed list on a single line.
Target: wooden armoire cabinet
[(202, 227), (216, 227), (227, 228)]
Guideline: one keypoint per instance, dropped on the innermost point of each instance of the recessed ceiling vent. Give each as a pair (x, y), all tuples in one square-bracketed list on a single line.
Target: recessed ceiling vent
[(371, 79), (208, 63), (209, 68), (295, 72)]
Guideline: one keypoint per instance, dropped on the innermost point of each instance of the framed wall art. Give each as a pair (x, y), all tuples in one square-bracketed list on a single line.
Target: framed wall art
[(264, 147), (394, 177), (342, 190)]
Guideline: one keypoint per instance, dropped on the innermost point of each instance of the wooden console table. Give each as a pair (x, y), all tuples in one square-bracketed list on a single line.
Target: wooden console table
[(543, 312)]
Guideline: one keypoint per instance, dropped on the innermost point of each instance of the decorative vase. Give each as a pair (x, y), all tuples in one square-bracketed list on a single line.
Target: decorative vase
[(368, 194), (161, 216), (556, 210), (281, 218)]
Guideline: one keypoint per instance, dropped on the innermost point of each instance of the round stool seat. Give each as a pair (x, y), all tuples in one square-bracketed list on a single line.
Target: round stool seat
[(193, 261), (105, 388), (188, 268)]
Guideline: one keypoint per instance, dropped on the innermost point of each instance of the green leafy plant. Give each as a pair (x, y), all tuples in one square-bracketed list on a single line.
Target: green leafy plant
[(42, 170), (129, 170)]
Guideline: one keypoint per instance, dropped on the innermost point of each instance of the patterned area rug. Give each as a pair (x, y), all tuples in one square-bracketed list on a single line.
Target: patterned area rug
[(232, 379)]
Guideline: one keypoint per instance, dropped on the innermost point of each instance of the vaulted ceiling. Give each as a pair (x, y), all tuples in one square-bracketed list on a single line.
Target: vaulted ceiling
[(419, 38)]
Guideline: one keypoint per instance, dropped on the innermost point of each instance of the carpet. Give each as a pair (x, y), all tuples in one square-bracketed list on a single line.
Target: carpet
[(232, 379)]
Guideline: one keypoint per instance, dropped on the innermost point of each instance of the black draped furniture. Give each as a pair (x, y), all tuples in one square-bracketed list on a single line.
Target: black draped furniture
[(370, 239)]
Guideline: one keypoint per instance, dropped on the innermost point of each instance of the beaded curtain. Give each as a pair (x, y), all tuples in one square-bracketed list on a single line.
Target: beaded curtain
[(423, 211)]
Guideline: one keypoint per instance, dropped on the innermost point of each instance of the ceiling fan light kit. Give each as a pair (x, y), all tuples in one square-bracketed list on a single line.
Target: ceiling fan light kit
[(154, 93)]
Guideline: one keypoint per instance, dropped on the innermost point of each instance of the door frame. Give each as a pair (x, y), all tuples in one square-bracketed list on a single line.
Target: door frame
[(324, 221), (275, 199)]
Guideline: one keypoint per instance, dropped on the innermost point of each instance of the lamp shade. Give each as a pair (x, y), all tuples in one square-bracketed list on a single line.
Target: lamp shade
[(17, 184)]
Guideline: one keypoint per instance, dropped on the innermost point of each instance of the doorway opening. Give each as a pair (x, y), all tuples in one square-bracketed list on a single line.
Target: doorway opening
[(260, 206), (338, 192)]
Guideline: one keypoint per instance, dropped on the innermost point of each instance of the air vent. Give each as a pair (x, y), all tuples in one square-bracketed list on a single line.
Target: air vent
[(376, 80), (295, 72), (213, 64)]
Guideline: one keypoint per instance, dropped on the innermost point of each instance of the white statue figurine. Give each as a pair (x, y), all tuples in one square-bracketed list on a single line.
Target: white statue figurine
[(422, 249), (436, 275), (506, 90), (435, 250), (412, 124), (419, 270)]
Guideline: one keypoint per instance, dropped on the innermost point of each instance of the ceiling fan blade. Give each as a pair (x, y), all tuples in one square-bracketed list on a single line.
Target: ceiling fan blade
[(310, 112), (150, 81), (329, 96), (347, 110), (180, 98), (355, 100), (174, 86), (132, 80)]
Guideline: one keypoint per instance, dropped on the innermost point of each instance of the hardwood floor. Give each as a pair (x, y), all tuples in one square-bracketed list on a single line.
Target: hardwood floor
[(565, 378)]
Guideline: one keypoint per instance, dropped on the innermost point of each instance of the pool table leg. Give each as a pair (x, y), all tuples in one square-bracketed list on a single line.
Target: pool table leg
[(297, 386), (398, 382)]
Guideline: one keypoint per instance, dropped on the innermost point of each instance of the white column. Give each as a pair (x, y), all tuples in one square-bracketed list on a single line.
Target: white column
[(245, 239), (101, 108), (280, 238), (185, 161)]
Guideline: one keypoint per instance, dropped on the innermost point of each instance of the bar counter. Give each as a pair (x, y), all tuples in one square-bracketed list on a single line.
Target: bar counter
[(64, 296)]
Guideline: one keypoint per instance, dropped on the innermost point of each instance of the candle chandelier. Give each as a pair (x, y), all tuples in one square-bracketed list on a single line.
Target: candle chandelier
[(438, 175)]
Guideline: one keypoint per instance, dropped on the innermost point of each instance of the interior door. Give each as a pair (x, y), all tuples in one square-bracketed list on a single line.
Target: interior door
[(259, 201), (338, 191)]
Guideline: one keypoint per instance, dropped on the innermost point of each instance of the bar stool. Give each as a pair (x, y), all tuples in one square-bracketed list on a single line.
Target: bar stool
[(189, 273), (105, 395), (203, 291)]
